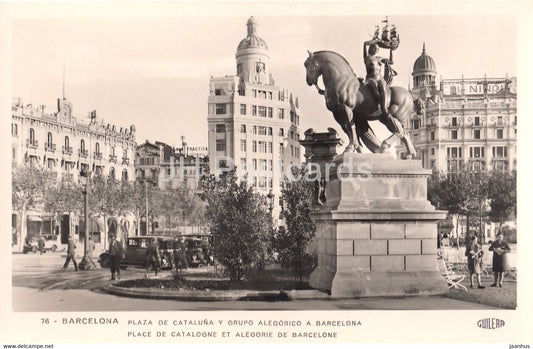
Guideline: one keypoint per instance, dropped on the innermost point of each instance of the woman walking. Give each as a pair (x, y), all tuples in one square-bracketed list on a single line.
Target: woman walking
[(499, 250)]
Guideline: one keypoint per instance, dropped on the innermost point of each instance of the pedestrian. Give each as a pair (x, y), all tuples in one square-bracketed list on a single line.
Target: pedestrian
[(90, 248), (153, 257), (116, 254), (499, 250), (180, 254), (40, 245), (71, 254), (474, 252)]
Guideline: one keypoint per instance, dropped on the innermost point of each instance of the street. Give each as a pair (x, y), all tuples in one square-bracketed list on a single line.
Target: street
[(40, 285)]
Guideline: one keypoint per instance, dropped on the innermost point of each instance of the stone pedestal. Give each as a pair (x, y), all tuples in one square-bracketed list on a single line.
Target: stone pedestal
[(377, 232)]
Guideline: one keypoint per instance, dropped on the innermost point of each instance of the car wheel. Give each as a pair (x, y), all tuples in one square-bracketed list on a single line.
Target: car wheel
[(54, 248), (104, 262)]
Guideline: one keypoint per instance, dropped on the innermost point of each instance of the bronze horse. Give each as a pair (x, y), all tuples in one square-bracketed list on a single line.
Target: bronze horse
[(351, 102)]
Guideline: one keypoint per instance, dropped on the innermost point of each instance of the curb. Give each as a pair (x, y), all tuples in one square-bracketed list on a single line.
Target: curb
[(213, 296)]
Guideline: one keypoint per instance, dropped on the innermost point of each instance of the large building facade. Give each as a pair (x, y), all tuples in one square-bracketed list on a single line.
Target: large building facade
[(467, 122), (253, 124), (64, 144)]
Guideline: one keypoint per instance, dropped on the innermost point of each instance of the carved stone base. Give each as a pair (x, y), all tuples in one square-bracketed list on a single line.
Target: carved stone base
[(377, 233)]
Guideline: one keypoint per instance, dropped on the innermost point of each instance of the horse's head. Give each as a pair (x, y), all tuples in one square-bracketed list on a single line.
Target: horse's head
[(312, 69)]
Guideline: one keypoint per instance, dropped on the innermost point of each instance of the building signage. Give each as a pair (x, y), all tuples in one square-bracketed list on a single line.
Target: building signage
[(474, 87)]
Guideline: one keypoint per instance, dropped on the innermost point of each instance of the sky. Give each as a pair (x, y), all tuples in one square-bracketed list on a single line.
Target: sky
[(154, 72)]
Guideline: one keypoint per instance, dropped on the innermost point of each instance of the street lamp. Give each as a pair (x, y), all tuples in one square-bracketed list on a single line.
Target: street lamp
[(86, 263)]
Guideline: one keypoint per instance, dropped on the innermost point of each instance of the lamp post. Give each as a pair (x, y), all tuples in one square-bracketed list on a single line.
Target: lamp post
[(87, 262)]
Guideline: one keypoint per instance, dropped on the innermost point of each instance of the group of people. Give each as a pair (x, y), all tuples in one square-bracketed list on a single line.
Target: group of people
[(474, 253)]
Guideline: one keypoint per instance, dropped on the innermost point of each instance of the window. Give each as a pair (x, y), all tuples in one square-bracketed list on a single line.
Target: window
[(124, 175), (243, 145), (269, 131), (432, 151), (281, 132), (270, 97), (270, 147), (220, 109), (262, 147), (254, 110), (254, 146), (239, 68), (14, 129), (262, 182), (262, 130), (82, 145), (221, 145), (297, 151), (432, 163), (281, 149), (262, 165), (254, 93), (221, 128), (454, 134), (112, 150), (499, 134), (97, 148), (292, 150), (243, 128), (49, 138), (255, 164), (499, 152), (281, 114), (454, 121), (499, 122), (243, 109), (124, 153), (477, 134), (67, 143), (269, 111), (454, 152), (432, 135), (218, 92), (477, 152), (262, 112), (32, 135), (243, 163), (262, 94), (112, 173), (270, 162), (254, 129), (476, 121)]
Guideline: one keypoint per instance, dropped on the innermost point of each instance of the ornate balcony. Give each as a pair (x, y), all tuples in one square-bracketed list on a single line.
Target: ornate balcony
[(49, 147), (113, 158), (98, 156), (67, 150), (125, 161), (31, 143), (83, 153)]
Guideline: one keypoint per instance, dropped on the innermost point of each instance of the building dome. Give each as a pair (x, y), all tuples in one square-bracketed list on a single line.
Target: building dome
[(252, 40), (424, 63)]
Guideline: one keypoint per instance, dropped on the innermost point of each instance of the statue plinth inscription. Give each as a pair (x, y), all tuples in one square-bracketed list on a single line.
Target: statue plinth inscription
[(377, 232)]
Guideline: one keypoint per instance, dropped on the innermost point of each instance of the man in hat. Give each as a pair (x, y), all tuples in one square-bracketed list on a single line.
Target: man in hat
[(71, 254), (116, 254)]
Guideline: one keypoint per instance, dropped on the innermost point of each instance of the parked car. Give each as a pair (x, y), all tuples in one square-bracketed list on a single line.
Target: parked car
[(50, 243), (135, 249)]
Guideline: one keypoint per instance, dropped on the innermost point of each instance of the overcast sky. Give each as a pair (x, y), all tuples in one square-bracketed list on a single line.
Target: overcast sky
[(154, 72)]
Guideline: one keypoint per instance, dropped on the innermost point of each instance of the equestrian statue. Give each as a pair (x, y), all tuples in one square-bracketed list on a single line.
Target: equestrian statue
[(354, 101)]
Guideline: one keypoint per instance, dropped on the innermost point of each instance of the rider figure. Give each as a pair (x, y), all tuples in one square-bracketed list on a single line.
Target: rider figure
[(374, 77)]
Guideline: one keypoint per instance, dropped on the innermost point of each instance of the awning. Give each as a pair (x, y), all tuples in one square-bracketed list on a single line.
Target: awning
[(33, 218)]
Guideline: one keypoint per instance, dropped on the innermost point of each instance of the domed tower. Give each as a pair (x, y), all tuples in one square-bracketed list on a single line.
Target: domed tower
[(424, 75), (253, 60)]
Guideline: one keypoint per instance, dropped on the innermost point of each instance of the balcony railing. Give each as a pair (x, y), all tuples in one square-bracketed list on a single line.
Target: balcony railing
[(83, 153), (49, 147), (113, 158), (125, 161), (31, 143), (67, 150), (98, 156)]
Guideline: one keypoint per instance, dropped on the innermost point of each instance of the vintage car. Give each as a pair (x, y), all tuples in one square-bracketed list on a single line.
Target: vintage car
[(51, 243), (136, 248), (198, 251)]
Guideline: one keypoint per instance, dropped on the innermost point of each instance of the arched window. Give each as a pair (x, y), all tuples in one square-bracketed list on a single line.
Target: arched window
[(32, 135), (124, 175), (67, 142), (49, 138), (82, 144), (97, 148), (125, 154), (113, 150)]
